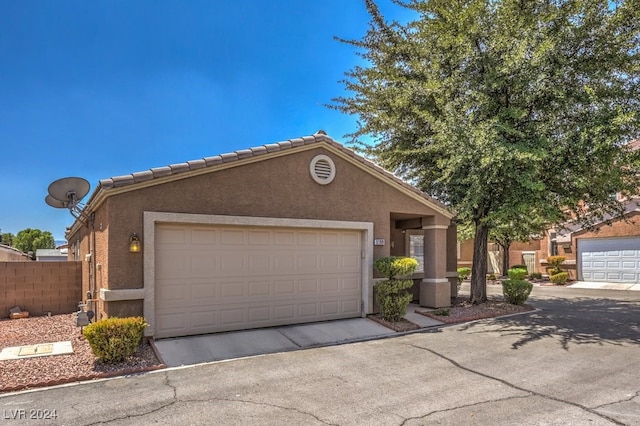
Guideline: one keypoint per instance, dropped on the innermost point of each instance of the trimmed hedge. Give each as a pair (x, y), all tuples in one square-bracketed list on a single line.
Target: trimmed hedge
[(392, 294), (517, 273), (394, 266), (560, 278), (463, 273), (516, 291), (115, 339)]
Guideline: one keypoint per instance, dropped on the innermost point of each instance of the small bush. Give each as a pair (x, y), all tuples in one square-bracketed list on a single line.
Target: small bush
[(516, 291), (395, 266), (492, 277), (463, 273), (519, 267), (392, 294), (442, 312), (551, 270), (556, 261), (560, 278), (393, 298), (517, 273), (115, 339), (535, 275)]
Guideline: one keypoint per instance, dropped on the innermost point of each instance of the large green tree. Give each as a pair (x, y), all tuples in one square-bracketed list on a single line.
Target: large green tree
[(7, 238), (30, 240), (496, 106)]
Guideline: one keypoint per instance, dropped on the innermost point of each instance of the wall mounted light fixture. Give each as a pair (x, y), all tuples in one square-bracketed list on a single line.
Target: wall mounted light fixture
[(134, 243)]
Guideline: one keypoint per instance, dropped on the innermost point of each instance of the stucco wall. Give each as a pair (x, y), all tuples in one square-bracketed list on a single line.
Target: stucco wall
[(40, 287)]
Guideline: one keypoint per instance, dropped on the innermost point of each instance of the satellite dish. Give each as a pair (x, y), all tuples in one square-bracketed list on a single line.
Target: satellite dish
[(63, 189), (67, 193), (56, 203)]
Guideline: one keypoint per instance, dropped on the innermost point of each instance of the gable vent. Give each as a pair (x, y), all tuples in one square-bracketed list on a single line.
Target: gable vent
[(322, 169)]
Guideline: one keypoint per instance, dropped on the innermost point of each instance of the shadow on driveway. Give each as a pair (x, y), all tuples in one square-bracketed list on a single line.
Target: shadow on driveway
[(580, 321)]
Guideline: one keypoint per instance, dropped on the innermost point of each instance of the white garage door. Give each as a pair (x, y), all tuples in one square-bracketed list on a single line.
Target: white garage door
[(615, 260), (221, 278)]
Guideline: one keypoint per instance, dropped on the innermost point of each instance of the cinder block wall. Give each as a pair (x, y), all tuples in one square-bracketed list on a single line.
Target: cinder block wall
[(40, 287)]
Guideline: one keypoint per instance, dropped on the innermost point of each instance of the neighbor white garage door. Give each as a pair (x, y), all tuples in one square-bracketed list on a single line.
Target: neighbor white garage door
[(221, 278), (615, 260)]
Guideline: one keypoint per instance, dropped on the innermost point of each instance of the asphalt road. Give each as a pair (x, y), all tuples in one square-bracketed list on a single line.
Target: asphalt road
[(575, 361)]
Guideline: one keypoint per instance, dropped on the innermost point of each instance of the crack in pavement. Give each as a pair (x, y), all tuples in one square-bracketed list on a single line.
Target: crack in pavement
[(631, 397), (511, 385), (176, 400), (268, 405), (167, 383), (463, 406)]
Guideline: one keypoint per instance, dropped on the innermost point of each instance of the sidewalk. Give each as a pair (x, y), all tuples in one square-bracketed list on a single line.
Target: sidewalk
[(605, 286)]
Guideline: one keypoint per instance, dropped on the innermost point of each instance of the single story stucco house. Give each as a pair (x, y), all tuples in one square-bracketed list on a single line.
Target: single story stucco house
[(283, 233)]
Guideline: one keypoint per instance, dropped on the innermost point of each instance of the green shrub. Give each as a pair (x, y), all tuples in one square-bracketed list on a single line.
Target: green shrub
[(392, 294), (519, 267), (114, 339), (517, 273), (516, 291), (492, 277), (442, 312), (556, 263), (535, 275), (551, 270), (395, 266), (560, 278), (463, 273), (393, 298)]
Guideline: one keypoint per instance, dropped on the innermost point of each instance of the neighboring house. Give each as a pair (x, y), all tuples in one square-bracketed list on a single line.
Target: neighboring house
[(52, 255), (10, 254), (608, 252), (283, 233)]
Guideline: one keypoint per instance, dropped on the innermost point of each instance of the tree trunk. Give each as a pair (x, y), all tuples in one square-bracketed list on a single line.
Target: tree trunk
[(479, 267), (505, 257)]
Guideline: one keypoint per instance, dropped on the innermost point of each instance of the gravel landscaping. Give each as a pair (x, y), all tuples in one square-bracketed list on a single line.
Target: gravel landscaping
[(56, 369), (463, 311)]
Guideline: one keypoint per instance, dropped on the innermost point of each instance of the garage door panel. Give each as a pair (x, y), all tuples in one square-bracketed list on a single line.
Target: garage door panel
[(203, 265), (202, 236), (330, 308), (284, 238), (284, 312), (175, 265), (259, 288), (230, 237), (204, 292), (252, 277), (229, 317), (259, 238), (231, 265), (171, 235), (609, 259)]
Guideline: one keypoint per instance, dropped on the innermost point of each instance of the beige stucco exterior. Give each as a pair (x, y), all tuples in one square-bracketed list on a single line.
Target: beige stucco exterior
[(266, 185)]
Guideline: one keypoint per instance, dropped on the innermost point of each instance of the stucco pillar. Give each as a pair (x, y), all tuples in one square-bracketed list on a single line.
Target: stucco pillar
[(452, 258), (435, 288)]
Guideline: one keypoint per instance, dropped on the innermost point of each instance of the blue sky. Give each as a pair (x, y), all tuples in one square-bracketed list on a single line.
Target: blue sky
[(103, 88)]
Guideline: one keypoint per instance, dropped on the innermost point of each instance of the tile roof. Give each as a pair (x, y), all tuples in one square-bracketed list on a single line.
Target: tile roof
[(317, 138), (565, 231)]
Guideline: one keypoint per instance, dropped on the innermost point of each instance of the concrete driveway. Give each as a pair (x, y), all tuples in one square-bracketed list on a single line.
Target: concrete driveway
[(575, 361), (191, 350)]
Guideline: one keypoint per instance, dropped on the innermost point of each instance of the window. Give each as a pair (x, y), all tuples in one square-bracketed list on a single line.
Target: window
[(415, 247)]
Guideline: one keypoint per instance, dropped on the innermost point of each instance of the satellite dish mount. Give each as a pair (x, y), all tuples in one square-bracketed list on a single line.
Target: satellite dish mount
[(67, 193)]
